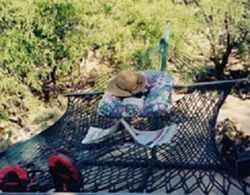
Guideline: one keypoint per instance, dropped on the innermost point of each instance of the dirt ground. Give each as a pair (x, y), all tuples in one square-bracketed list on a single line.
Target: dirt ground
[(238, 111), (235, 109)]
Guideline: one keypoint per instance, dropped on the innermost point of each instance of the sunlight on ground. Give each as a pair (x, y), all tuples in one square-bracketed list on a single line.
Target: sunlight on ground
[(238, 111)]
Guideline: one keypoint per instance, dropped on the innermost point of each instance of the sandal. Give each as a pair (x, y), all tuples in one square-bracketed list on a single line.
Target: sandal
[(13, 179), (66, 176)]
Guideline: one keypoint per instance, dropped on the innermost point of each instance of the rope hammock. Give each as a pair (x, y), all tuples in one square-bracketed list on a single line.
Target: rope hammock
[(190, 163)]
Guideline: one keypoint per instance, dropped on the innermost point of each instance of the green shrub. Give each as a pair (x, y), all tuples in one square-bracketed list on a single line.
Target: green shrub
[(42, 42)]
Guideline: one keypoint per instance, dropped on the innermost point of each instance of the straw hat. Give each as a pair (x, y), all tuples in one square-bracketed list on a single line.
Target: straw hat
[(126, 83)]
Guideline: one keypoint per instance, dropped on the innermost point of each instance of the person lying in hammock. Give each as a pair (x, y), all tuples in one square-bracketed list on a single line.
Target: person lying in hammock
[(131, 94), (146, 93)]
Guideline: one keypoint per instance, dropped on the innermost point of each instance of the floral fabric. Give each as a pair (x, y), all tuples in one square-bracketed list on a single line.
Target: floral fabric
[(155, 102)]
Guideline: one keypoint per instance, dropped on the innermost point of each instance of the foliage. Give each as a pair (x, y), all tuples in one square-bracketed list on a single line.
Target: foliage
[(33, 48), (226, 25), (47, 42), (43, 42)]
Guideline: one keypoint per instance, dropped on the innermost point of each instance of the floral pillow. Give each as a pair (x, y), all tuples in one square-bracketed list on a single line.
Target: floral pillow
[(110, 106), (115, 107), (156, 102)]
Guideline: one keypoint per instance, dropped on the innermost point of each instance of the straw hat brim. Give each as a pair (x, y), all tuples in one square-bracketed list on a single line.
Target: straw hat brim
[(116, 91)]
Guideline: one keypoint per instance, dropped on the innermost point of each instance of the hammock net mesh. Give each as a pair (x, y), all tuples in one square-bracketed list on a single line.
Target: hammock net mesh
[(190, 163)]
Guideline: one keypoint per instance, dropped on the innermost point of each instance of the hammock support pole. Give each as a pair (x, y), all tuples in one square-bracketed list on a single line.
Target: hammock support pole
[(164, 44)]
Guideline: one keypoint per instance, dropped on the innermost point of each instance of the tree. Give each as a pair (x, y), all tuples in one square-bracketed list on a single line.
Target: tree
[(226, 29), (33, 45), (42, 42)]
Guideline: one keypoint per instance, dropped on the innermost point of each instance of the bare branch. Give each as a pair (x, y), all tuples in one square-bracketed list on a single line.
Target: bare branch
[(208, 20), (226, 20)]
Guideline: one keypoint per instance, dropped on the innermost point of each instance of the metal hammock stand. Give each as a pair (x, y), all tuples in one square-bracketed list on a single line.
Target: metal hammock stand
[(190, 163)]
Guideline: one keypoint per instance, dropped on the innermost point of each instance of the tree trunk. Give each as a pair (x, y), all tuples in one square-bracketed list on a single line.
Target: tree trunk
[(46, 91), (53, 75), (220, 65)]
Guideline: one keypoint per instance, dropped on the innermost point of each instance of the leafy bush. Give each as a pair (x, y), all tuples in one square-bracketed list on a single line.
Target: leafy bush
[(43, 42)]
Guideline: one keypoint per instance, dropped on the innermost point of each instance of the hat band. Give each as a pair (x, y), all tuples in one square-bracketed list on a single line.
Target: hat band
[(124, 89)]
